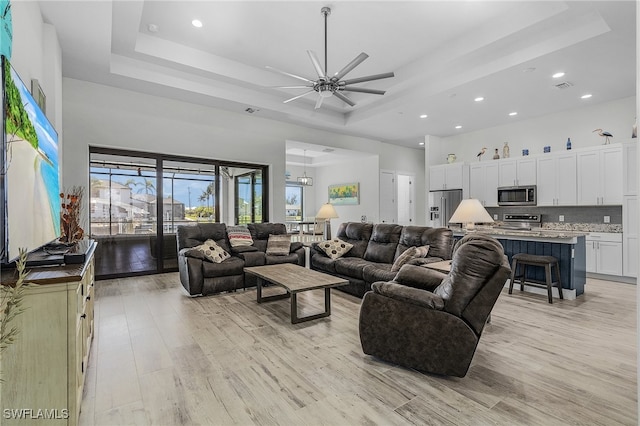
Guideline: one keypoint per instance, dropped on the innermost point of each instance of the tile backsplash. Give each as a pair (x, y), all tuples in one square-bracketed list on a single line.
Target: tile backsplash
[(572, 215)]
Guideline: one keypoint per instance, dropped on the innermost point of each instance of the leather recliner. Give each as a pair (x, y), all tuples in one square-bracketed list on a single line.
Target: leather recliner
[(431, 321)]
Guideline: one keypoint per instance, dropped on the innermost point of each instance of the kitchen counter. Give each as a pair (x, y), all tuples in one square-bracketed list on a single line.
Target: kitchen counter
[(542, 235), (567, 246)]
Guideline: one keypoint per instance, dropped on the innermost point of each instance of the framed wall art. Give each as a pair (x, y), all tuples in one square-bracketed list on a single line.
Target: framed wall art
[(344, 194)]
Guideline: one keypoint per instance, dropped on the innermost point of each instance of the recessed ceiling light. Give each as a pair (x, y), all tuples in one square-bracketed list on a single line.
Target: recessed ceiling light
[(558, 75), (513, 113), (423, 116), (587, 96), (479, 99), (196, 23), (153, 28), (530, 69), (421, 143), (458, 127)]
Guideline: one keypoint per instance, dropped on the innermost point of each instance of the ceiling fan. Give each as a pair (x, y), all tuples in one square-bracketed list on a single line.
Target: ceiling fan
[(327, 86)]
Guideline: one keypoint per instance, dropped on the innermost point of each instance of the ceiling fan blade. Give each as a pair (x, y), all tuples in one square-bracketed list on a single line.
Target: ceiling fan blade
[(369, 78), (344, 99), (299, 96), (290, 75), (319, 102), (316, 63), (351, 65), (362, 90), (290, 87)]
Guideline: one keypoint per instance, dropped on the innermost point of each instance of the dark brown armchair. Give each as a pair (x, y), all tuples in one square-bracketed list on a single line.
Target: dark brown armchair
[(431, 321)]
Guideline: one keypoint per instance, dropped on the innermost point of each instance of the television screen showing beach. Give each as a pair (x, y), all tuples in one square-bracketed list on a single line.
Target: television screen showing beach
[(32, 181)]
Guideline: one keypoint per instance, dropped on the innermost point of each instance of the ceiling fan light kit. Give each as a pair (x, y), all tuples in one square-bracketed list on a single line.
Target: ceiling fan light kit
[(327, 86)]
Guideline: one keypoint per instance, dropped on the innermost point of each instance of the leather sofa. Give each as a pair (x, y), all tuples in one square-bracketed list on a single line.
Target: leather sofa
[(430, 321), (375, 248), (200, 276)]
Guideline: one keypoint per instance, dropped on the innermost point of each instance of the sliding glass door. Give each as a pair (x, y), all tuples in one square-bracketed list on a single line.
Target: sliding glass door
[(139, 200), (123, 198)]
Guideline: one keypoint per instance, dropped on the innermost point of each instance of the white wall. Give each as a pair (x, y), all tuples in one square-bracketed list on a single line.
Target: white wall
[(36, 53), (616, 117)]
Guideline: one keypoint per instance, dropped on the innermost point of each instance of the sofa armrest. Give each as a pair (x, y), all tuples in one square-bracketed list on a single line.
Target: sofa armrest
[(191, 252), (419, 277), (411, 295)]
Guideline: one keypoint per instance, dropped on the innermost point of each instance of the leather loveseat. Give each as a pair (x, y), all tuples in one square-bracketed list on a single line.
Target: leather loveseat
[(200, 276), (431, 321), (375, 249)]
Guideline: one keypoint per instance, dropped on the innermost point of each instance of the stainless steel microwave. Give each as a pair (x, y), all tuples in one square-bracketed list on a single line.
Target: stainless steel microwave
[(517, 195)]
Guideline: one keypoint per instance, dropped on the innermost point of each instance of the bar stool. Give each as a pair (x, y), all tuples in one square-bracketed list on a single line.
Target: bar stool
[(547, 262)]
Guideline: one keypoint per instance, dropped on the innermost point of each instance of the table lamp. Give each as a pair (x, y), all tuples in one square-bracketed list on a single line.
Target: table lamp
[(327, 212), (470, 212)]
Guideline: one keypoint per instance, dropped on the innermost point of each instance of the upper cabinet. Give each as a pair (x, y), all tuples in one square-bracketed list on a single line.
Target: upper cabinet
[(599, 175), (520, 171), (557, 180), (483, 183), (630, 168), (446, 176)]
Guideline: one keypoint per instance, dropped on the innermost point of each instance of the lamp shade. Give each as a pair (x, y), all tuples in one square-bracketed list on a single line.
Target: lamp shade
[(327, 211), (470, 212)]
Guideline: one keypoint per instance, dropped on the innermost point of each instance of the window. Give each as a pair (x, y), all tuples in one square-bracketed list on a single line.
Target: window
[(138, 200), (294, 202)]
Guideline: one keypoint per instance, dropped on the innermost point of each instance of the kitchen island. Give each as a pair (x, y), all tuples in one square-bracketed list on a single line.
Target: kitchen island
[(567, 246)]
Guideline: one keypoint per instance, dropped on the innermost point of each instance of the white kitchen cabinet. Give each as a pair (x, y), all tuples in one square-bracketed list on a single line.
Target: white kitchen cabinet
[(599, 172), (519, 171), (446, 176), (630, 236), (630, 168), (604, 253), (483, 183), (557, 179)]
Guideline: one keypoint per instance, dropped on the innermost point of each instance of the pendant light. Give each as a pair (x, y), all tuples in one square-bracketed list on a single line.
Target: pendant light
[(304, 179)]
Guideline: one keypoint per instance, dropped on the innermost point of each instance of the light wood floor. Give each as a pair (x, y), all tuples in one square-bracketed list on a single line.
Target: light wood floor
[(162, 358)]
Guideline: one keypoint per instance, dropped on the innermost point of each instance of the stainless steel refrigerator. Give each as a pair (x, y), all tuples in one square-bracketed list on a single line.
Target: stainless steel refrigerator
[(442, 205)]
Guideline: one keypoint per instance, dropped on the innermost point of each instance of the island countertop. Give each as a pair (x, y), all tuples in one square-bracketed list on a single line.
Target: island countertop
[(542, 235)]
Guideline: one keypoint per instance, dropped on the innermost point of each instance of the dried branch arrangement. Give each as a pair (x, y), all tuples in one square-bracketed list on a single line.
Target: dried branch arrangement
[(70, 215)]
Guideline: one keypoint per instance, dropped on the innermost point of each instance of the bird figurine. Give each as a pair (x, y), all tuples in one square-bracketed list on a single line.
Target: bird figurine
[(605, 135), (481, 153)]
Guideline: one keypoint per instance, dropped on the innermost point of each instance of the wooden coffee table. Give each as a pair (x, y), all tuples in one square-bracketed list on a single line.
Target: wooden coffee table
[(443, 266), (295, 279)]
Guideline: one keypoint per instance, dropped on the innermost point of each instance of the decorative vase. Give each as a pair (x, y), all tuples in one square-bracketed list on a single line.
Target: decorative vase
[(451, 158), (505, 150), (496, 156)]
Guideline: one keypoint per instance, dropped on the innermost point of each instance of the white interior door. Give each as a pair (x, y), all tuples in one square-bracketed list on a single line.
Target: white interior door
[(406, 195), (388, 206)]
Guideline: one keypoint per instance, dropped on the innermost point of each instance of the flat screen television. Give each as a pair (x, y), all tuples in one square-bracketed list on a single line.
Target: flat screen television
[(29, 179)]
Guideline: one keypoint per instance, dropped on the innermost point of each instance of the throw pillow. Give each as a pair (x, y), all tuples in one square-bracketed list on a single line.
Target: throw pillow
[(278, 245), (406, 256), (335, 248), (212, 251), (422, 251), (239, 236)]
